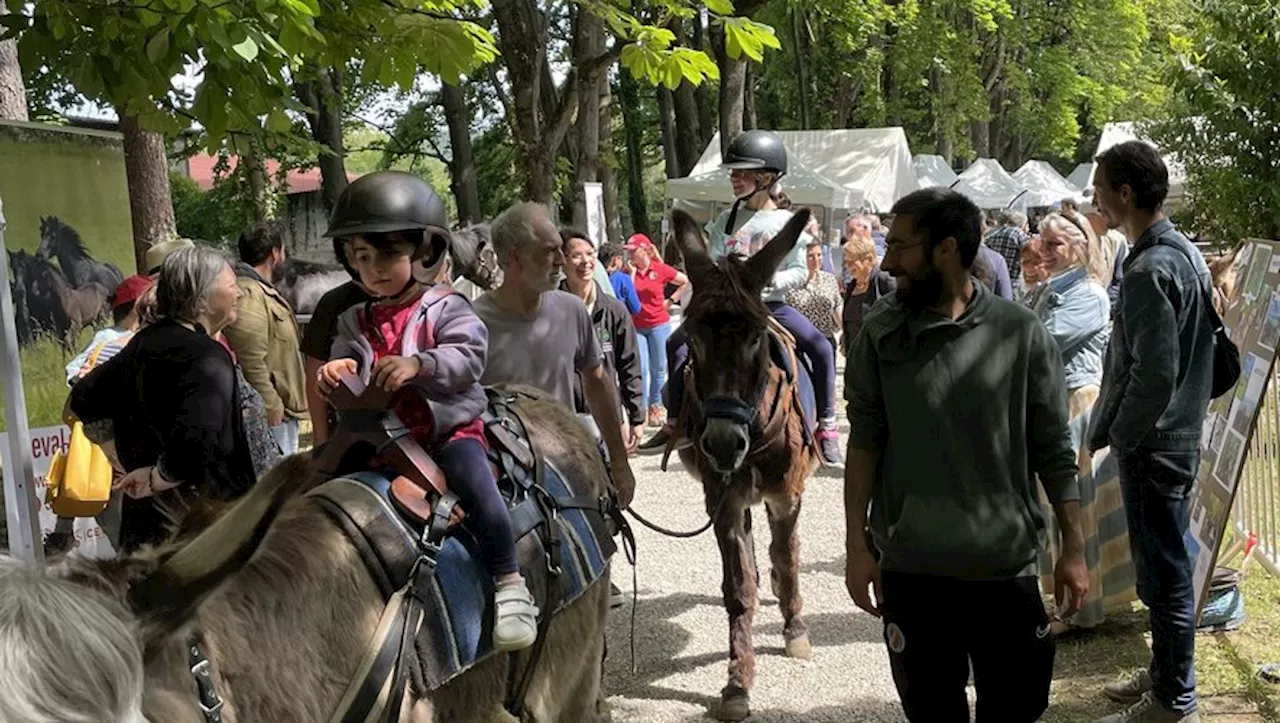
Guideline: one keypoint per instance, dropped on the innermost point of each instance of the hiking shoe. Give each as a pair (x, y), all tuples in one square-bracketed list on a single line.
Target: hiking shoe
[(1149, 710), (616, 599), (515, 620), (829, 448), (1131, 689)]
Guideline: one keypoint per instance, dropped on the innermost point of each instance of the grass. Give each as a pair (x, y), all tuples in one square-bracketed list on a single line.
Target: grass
[(44, 379), (1226, 663)]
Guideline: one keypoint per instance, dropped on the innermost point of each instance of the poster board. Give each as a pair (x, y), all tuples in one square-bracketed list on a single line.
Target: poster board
[(1252, 319), (89, 538)]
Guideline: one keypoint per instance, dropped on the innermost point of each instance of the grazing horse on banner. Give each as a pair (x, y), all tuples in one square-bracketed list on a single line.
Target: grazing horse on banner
[(752, 441), (36, 301), (61, 241)]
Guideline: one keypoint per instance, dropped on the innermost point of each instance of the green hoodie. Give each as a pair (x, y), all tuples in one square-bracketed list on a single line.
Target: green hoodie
[(964, 414)]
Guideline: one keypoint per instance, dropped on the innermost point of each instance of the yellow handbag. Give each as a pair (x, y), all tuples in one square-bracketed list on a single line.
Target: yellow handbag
[(79, 480)]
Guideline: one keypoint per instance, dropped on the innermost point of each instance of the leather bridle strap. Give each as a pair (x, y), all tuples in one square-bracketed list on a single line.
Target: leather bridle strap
[(202, 671)]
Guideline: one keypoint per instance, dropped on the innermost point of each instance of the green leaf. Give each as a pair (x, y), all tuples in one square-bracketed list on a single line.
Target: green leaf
[(719, 7), (246, 49), (158, 46), (279, 121)]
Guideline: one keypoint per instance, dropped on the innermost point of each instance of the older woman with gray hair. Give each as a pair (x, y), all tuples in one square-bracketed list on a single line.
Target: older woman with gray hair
[(171, 403), (1074, 306), (67, 652)]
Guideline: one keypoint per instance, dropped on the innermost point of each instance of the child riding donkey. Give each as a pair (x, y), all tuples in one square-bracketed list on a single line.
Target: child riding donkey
[(422, 342)]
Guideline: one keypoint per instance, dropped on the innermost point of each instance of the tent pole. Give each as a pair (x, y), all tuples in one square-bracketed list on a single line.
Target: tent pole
[(20, 506)]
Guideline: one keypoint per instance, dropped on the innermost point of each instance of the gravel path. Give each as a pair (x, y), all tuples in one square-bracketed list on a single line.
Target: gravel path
[(681, 636)]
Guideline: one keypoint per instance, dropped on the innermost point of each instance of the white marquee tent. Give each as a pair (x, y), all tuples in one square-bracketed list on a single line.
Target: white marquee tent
[(987, 184), (932, 170), (1081, 178), (802, 185), (1117, 133), (874, 164), (1042, 185)]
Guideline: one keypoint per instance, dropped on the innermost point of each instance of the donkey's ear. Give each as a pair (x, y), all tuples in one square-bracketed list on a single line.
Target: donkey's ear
[(169, 597), (764, 263), (689, 238)]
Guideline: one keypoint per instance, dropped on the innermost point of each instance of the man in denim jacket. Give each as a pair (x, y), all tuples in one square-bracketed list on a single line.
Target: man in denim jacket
[(1155, 393)]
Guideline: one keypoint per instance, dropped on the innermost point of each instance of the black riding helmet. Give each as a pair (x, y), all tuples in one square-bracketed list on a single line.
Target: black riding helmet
[(754, 150), (386, 201)]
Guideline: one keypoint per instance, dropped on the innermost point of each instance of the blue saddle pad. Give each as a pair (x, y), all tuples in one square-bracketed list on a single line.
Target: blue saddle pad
[(457, 630)]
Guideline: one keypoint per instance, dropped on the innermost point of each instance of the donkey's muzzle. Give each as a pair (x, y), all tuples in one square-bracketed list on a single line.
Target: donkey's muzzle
[(725, 443)]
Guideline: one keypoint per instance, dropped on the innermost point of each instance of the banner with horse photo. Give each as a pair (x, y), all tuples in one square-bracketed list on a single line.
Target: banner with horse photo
[(68, 244)]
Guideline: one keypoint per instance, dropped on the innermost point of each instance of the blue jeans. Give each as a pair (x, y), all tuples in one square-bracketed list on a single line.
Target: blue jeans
[(286, 434), (653, 360), (1155, 487)]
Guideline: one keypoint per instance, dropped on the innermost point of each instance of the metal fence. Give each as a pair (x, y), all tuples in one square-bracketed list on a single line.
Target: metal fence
[(1256, 513)]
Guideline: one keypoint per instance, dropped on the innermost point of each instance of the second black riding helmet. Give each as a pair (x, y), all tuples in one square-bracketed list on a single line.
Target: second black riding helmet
[(386, 201)]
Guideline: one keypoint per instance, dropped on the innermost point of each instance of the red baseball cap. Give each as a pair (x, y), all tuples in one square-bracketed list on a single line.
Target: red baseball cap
[(638, 241), (129, 290)]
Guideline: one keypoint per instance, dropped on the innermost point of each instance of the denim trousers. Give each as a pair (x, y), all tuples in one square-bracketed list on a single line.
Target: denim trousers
[(286, 434), (653, 360), (1156, 486)]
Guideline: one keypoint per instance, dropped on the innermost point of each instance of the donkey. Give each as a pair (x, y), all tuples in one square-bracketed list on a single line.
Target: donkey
[(751, 444), (284, 608)]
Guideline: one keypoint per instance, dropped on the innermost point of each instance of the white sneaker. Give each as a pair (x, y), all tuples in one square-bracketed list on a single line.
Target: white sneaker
[(515, 624)]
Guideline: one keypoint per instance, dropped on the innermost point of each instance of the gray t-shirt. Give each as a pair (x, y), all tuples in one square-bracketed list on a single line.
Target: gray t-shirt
[(546, 351)]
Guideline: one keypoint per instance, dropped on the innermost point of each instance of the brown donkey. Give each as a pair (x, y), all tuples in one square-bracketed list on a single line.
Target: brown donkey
[(742, 411), (286, 609)]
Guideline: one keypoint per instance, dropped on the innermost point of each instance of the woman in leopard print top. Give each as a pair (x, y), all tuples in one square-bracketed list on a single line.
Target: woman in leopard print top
[(819, 298)]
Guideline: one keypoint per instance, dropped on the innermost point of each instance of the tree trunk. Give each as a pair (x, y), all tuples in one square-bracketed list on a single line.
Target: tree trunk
[(688, 144), (588, 43), (667, 122), (706, 112), (629, 97), (802, 69), (13, 94), (147, 170), (609, 166), (733, 78), (523, 45), (321, 91), (749, 120), (462, 165), (255, 174), (980, 137)]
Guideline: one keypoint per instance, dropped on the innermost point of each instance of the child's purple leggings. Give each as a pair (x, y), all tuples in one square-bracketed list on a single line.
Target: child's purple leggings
[(466, 467)]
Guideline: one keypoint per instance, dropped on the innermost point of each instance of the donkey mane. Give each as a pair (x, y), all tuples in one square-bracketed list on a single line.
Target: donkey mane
[(726, 290)]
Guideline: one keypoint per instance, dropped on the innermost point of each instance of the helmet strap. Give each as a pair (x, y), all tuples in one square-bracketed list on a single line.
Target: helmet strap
[(733, 212)]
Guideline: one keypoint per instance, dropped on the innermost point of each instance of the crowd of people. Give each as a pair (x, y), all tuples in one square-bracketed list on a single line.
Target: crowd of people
[(984, 366)]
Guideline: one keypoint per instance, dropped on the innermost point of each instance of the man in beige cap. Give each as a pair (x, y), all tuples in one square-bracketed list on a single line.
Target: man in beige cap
[(160, 251)]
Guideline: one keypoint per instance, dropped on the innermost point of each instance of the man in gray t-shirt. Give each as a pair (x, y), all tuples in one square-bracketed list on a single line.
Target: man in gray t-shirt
[(547, 350), (543, 337)]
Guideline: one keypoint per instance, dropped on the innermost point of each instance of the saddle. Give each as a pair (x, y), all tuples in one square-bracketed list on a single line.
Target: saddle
[(393, 503)]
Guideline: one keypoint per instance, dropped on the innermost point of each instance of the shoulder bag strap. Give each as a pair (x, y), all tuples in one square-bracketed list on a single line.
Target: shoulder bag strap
[(1206, 293)]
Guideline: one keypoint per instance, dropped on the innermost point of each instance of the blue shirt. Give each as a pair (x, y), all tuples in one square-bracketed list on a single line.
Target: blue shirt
[(625, 290)]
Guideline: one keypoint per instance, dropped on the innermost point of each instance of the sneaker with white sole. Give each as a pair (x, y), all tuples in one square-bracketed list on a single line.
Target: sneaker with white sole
[(515, 623), (1149, 710), (1131, 689)]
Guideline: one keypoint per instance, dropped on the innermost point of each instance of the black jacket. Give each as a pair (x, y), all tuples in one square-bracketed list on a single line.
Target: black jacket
[(172, 398), (617, 337)]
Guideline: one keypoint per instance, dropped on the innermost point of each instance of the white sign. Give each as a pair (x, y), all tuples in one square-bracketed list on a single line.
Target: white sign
[(594, 193), (90, 540)]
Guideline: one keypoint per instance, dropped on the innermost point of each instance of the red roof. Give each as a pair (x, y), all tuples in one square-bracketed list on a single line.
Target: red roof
[(200, 169)]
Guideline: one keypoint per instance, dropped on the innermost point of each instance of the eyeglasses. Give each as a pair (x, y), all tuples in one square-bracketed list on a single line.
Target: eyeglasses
[(899, 248)]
